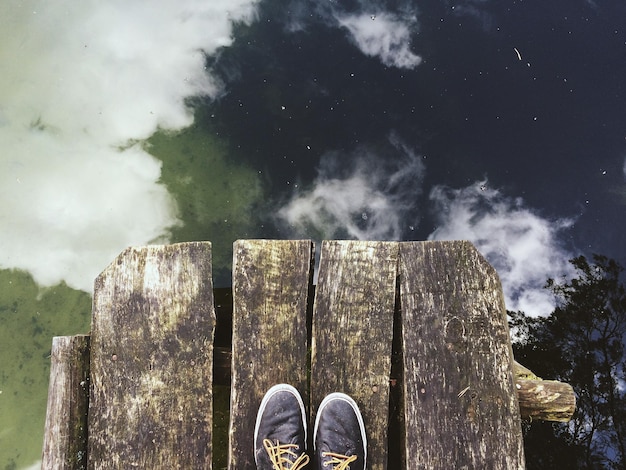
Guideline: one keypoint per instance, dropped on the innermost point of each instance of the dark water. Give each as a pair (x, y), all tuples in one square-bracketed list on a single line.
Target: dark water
[(548, 128), (30, 317), (302, 107)]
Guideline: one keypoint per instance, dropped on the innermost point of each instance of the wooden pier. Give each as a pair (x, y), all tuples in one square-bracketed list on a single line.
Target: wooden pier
[(415, 332)]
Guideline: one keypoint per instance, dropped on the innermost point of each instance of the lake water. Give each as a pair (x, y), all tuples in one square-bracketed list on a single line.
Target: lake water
[(128, 123), (218, 199)]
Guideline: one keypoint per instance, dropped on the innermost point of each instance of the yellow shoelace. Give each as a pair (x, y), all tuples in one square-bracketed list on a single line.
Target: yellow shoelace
[(282, 455), (340, 461)]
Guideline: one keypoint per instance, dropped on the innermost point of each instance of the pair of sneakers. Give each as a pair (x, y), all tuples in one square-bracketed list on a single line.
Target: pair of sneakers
[(280, 433)]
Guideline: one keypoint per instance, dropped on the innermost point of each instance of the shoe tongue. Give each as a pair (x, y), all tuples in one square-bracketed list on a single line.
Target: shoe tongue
[(339, 462), (285, 456)]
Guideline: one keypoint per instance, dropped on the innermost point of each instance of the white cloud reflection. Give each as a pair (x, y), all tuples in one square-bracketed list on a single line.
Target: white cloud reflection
[(377, 28), (478, 10), (367, 202), (523, 246), (78, 82), (383, 35), (367, 199)]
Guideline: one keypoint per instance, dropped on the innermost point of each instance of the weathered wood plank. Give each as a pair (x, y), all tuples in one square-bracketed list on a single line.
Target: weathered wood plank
[(353, 331), (547, 400), (461, 406), (271, 281), (555, 401), (65, 438), (151, 359)]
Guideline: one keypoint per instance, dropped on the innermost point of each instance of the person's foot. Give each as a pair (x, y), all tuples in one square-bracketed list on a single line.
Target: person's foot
[(280, 430), (339, 434)]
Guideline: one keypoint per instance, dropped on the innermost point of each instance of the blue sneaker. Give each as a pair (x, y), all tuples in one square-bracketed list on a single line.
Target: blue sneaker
[(280, 431), (339, 434)]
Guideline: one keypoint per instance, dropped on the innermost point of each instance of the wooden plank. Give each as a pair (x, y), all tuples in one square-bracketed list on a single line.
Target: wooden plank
[(547, 400), (271, 281), (461, 406), (353, 331), (65, 437), (151, 359)]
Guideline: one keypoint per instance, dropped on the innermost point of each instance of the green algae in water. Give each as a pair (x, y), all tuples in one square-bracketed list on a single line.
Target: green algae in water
[(217, 200), (216, 196), (30, 316)]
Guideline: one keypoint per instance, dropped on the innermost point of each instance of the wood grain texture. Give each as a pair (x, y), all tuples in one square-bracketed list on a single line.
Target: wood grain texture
[(547, 400), (461, 407), (353, 331), (151, 359), (65, 438), (538, 403), (271, 281)]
